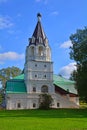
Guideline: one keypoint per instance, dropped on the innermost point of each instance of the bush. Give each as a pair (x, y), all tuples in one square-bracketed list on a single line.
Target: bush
[(45, 101)]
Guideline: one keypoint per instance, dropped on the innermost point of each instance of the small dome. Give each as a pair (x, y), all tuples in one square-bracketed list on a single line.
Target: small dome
[(38, 15)]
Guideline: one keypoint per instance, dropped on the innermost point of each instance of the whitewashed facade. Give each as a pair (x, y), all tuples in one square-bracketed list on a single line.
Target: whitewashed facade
[(38, 76)]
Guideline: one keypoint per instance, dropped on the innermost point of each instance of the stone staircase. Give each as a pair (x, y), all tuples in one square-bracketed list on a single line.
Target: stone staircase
[(65, 101)]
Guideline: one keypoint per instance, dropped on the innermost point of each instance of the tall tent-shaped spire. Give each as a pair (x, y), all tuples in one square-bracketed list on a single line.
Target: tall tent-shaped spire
[(38, 36)]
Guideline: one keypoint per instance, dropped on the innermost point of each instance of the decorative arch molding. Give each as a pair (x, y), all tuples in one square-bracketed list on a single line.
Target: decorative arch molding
[(40, 50), (32, 50), (48, 53), (44, 89)]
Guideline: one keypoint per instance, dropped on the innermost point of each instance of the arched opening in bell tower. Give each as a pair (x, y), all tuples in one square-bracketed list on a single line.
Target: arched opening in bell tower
[(32, 50), (40, 51)]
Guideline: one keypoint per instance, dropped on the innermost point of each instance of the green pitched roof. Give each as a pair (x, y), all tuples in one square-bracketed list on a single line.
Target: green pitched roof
[(17, 85), (19, 77), (65, 84)]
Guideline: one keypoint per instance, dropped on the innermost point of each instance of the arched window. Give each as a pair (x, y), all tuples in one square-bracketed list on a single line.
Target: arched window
[(48, 52), (34, 89), (45, 65), (32, 50), (58, 104), (40, 51), (19, 105), (35, 65), (45, 76), (44, 89), (35, 75), (34, 105)]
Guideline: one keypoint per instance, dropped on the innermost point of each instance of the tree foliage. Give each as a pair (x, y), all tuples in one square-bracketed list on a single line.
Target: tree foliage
[(1, 95), (8, 73), (45, 101), (79, 46), (79, 54)]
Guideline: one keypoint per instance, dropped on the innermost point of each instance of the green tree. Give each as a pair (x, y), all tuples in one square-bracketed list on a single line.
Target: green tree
[(45, 101), (79, 54), (1, 95), (8, 73), (73, 75)]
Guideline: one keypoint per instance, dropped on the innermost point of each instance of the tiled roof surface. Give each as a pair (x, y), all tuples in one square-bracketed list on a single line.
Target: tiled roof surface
[(17, 84), (38, 32), (65, 84), (39, 36), (19, 77)]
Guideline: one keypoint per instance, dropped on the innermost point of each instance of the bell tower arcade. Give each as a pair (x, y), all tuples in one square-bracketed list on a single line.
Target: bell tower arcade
[(38, 69)]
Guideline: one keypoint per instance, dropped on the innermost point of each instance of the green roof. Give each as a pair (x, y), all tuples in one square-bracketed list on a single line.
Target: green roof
[(17, 85), (65, 84), (19, 77)]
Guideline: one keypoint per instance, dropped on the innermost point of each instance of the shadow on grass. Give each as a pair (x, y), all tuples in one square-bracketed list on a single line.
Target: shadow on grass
[(52, 113)]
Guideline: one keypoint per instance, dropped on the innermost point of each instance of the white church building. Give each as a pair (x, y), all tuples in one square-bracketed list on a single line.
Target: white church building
[(22, 92)]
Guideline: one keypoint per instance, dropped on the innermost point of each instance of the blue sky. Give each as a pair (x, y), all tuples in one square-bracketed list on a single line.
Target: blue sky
[(60, 19)]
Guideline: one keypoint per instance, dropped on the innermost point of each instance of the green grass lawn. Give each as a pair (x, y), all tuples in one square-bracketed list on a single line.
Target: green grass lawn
[(59, 119)]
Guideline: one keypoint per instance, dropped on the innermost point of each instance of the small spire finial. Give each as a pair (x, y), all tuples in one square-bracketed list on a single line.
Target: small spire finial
[(39, 16)]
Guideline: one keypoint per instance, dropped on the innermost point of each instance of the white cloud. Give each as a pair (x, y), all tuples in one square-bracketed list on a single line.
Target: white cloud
[(67, 70), (5, 22), (66, 44), (54, 13), (11, 56), (1, 1)]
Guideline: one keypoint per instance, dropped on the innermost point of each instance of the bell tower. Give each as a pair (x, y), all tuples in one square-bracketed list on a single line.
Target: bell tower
[(38, 69)]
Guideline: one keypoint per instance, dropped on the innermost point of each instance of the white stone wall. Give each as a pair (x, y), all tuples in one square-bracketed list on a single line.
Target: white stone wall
[(38, 85), (64, 102), (31, 101), (38, 72), (12, 101), (26, 101)]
